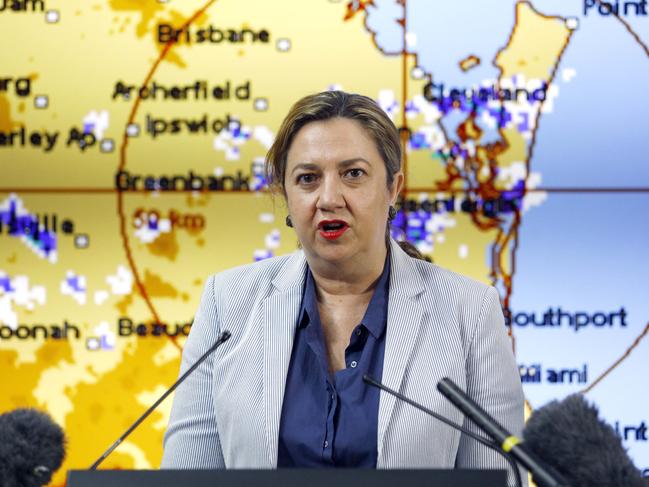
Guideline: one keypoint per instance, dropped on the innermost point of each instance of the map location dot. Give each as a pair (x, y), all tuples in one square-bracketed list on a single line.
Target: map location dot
[(81, 241), (572, 23), (132, 130), (41, 101), (107, 145), (261, 104), (52, 16), (417, 73), (283, 45)]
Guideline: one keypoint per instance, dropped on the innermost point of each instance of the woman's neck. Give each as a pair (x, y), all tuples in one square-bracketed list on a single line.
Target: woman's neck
[(355, 278)]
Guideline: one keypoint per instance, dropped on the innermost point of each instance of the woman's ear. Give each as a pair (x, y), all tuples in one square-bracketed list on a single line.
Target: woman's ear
[(397, 186)]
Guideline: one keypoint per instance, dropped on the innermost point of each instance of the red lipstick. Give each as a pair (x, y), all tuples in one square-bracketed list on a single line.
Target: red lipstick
[(332, 229)]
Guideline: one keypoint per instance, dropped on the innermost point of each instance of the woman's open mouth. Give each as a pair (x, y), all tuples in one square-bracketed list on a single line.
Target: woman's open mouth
[(332, 229)]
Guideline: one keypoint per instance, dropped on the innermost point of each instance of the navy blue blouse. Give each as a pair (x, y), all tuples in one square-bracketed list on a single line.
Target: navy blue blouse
[(330, 420)]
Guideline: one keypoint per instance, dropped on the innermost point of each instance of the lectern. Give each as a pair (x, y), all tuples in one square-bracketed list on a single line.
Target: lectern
[(287, 478)]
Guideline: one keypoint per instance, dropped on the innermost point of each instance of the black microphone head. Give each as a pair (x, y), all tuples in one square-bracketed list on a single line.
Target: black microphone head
[(31, 448), (569, 436)]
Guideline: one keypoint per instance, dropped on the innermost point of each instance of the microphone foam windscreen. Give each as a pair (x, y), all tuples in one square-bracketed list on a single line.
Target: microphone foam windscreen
[(31, 448), (569, 436)]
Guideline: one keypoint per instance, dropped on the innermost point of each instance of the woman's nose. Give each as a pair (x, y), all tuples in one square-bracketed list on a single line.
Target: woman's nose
[(330, 196)]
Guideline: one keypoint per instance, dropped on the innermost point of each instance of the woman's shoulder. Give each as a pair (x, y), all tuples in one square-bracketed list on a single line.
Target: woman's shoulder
[(454, 294), (439, 281), (464, 302), (438, 278)]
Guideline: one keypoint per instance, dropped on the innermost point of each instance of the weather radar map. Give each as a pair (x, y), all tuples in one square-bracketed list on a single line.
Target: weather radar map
[(132, 141)]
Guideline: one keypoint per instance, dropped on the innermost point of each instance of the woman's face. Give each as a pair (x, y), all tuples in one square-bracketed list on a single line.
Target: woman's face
[(336, 190)]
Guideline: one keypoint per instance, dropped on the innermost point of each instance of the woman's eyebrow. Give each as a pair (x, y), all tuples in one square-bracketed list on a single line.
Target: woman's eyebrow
[(305, 165), (352, 161)]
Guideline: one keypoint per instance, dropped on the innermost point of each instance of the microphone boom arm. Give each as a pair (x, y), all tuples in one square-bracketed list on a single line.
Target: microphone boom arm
[(485, 441)]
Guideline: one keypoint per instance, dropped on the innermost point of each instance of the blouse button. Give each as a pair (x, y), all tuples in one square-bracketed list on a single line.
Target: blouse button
[(359, 332), (326, 444), (353, 364)]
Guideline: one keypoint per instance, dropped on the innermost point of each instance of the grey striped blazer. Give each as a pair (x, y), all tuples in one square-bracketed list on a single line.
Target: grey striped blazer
[(440, 324)]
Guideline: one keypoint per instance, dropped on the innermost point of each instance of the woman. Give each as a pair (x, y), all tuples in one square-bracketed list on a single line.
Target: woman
[(287, 389)]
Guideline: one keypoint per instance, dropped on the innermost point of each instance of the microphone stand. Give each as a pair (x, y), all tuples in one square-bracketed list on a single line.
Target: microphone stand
[(486, 442)]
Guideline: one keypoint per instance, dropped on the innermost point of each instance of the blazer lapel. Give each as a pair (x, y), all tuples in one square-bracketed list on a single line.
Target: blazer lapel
[(281, 310), (404, 319)]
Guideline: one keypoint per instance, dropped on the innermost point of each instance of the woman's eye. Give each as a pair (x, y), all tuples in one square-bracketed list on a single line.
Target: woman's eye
[(306, 178), (355, 173)]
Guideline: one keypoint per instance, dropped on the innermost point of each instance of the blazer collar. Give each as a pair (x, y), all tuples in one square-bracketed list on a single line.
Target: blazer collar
[(404, 277)]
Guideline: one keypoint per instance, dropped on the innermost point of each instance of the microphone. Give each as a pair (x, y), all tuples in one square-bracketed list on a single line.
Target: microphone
[(541, 473), (569, 436), (32, 448), (485, 441), (225, 336)]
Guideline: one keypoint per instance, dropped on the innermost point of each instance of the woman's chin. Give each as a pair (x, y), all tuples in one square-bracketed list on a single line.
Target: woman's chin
[(331, 252)]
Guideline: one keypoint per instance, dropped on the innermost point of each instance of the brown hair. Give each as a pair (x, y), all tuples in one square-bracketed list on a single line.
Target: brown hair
[(333, 104), (325, 106)]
